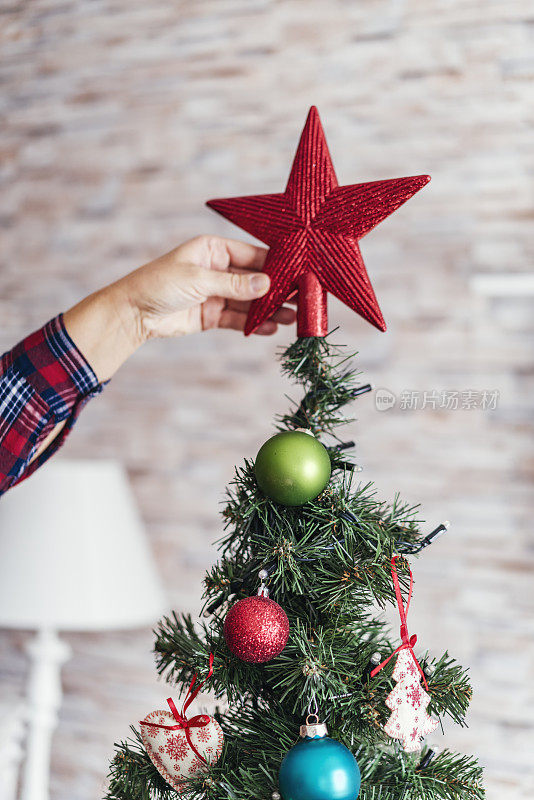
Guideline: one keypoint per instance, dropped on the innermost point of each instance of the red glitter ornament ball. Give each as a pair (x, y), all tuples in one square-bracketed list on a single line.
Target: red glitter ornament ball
[(256, 629)]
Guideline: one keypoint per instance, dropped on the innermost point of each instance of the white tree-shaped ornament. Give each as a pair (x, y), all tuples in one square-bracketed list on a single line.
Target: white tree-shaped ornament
[(408, 701), (409, 721)]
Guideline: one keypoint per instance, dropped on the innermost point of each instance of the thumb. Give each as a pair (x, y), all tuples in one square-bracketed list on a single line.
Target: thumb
[(237, 286)]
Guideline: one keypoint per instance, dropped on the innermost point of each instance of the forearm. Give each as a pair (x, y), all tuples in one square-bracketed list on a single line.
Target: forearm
[(105, 328), (205, 283), (45, 382)]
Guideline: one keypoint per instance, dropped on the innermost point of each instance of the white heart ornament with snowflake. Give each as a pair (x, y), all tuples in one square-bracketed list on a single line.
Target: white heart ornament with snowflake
[(170, 751)]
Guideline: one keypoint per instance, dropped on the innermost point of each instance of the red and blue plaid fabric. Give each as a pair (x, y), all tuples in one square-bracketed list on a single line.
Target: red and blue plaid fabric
[(44, 380)]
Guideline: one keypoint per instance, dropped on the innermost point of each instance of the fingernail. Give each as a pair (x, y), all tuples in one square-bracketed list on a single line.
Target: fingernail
[(259, 283)]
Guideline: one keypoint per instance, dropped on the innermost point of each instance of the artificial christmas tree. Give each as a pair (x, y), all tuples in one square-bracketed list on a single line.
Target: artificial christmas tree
[(326, 560)]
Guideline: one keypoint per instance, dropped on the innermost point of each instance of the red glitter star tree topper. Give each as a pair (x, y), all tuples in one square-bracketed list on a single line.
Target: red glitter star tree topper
[(312, 230)]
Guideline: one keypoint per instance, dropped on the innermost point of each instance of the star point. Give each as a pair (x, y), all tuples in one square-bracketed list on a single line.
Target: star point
[(313, 229)]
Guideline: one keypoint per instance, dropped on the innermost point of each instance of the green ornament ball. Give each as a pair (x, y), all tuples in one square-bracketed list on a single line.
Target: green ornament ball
[(292, 468)]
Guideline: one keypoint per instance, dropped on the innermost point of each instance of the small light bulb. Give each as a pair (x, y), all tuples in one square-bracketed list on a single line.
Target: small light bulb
[(376, 658)]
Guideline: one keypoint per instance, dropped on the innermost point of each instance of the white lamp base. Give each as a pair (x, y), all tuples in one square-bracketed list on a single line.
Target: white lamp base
[(47, 653), (12, 731)]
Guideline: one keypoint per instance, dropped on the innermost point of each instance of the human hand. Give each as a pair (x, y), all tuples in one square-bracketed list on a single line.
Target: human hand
[(208, 282)]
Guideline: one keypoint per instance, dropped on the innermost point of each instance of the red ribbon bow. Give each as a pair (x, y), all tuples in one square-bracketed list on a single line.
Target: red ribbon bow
[(408, 642), (182, 723)]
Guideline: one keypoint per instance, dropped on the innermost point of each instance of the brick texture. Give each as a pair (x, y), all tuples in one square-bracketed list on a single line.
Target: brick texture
[(120, 118)]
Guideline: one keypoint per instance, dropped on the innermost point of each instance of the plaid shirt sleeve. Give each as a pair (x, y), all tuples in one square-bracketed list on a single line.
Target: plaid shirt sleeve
[(44, 380)]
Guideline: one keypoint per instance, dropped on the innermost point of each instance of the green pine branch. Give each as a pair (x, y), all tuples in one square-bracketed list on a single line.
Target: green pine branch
[(329, 567), (341, 542), (133, 776), (329, 382), (386, 774), (393, 776)]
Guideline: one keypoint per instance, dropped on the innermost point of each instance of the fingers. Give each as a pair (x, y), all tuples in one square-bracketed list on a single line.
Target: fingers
[(235, 321), (244, 255), (216, 252), (283, 315), (266, 328), (235, 285)]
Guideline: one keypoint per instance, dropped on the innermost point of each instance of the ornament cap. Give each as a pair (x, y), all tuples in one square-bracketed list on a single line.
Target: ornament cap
[(305, 430), (313, 728)]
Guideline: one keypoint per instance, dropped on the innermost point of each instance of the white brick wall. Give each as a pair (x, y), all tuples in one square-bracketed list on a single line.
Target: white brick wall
[(120, 120)]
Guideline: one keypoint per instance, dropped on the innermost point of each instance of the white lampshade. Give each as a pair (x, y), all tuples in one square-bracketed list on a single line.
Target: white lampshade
[(73, 553)]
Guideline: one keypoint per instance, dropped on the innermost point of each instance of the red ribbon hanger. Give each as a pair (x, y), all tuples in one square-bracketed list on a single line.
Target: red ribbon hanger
[(182, 723), (407, 642)]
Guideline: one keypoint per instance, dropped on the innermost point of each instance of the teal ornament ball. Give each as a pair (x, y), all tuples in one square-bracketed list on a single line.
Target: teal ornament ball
[(319, 768), (292, 468)]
